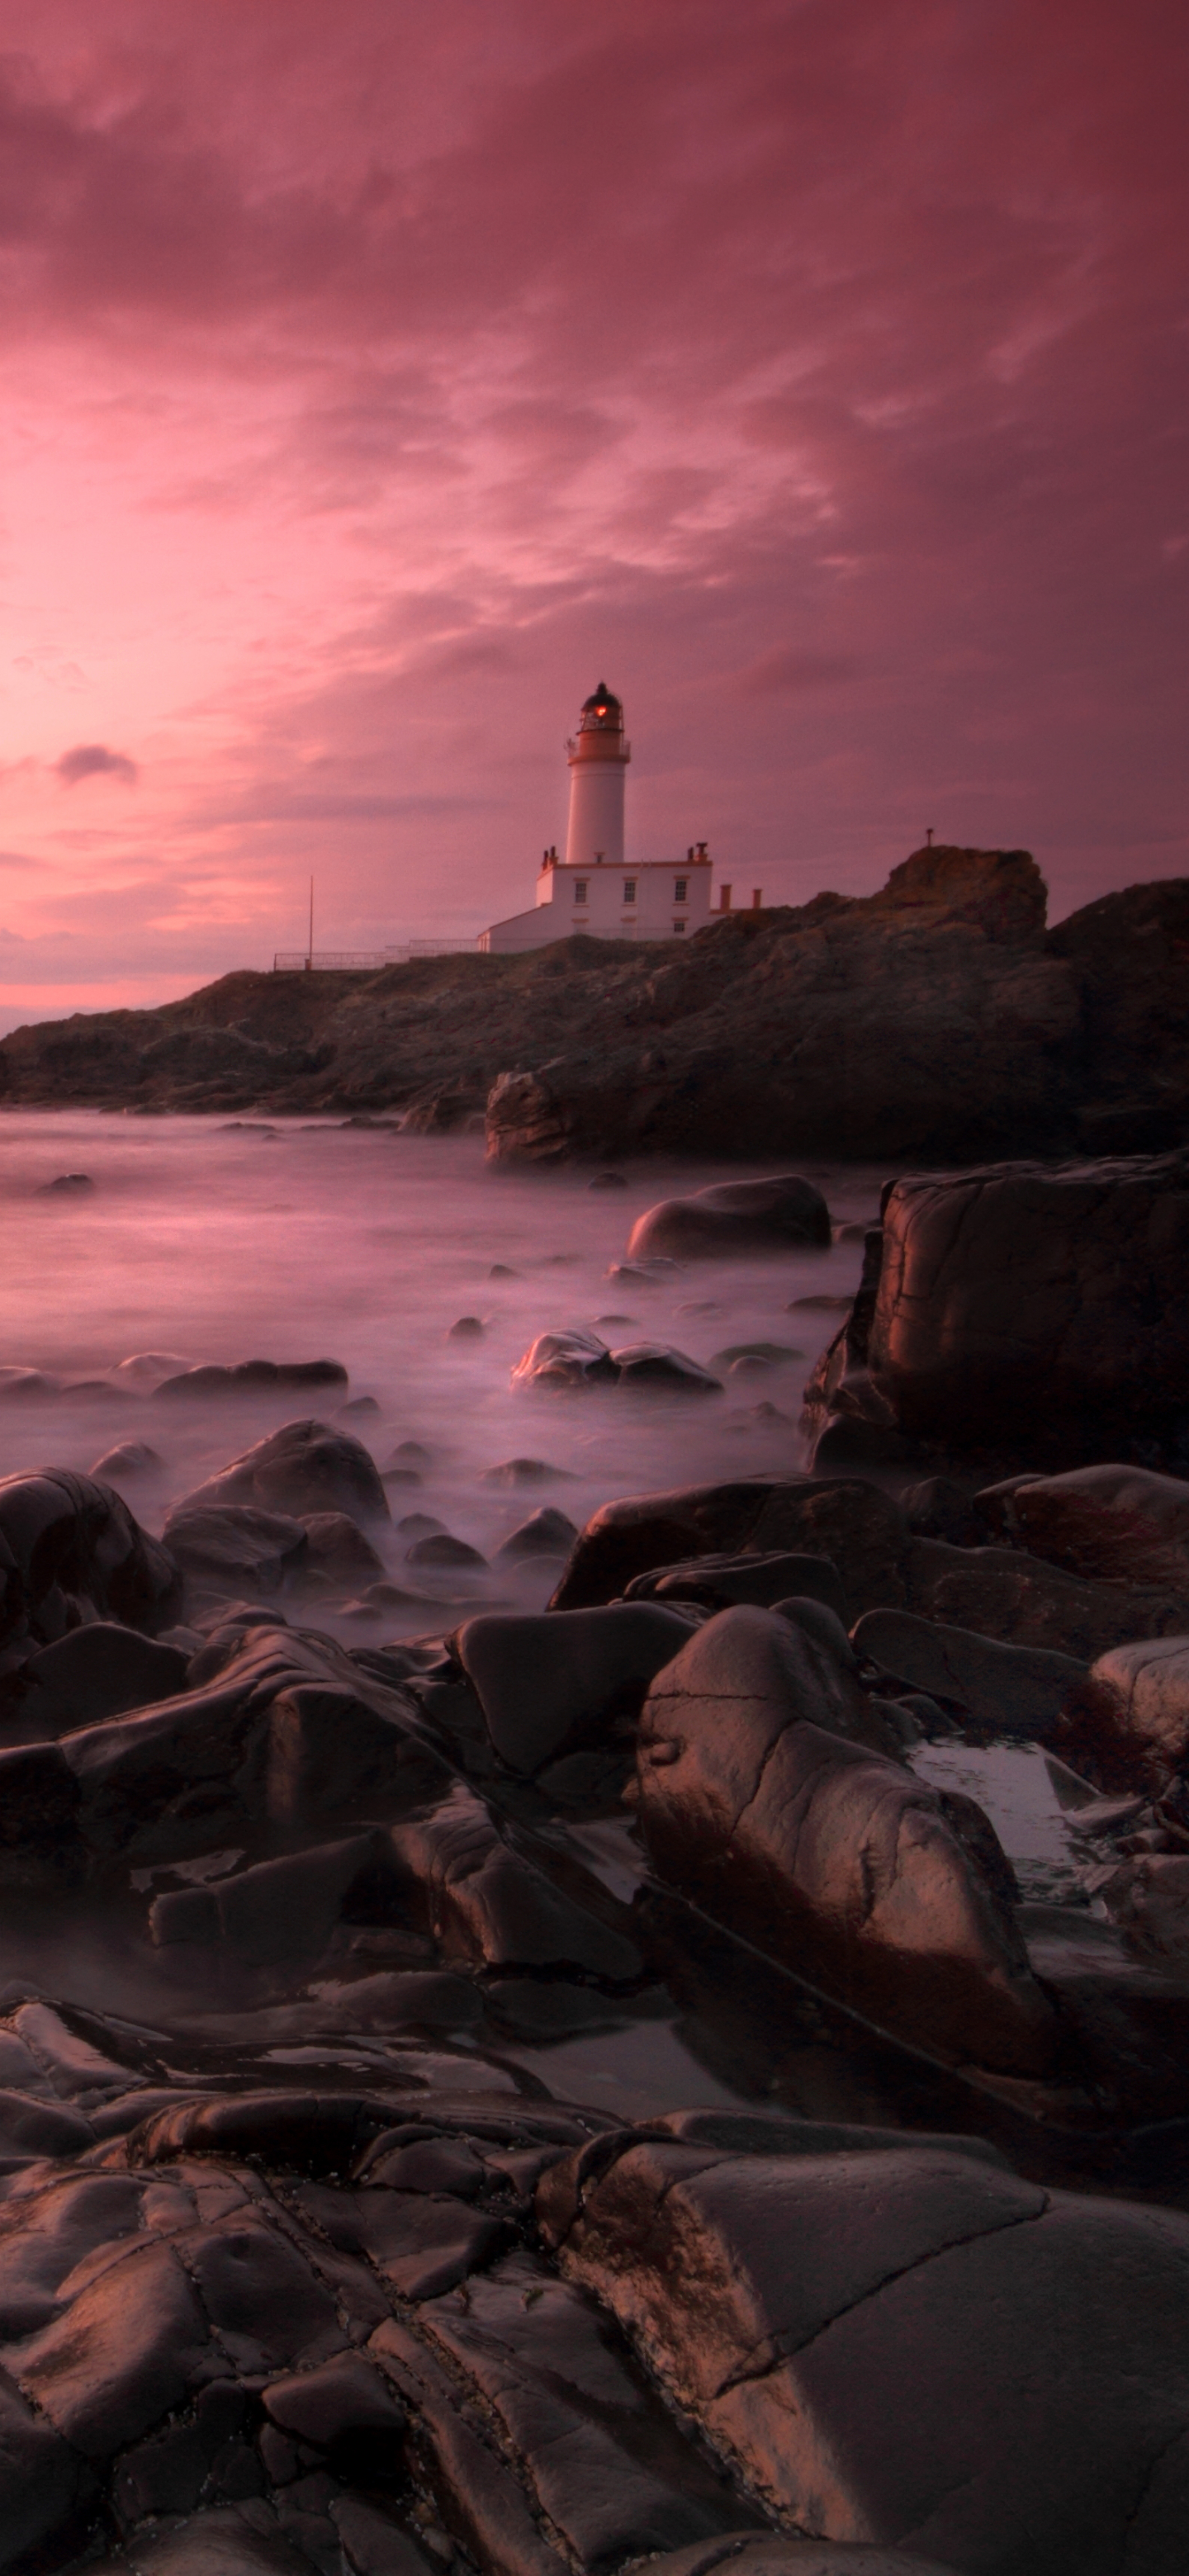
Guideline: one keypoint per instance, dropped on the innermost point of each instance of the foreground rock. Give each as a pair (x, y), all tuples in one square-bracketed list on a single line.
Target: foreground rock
[(733, 1218), (761, 1795), (1022, 1306), (71, 1551), (812, 2314)]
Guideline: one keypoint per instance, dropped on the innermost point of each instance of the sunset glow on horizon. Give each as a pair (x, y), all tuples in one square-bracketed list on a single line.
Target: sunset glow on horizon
[(378, 378)]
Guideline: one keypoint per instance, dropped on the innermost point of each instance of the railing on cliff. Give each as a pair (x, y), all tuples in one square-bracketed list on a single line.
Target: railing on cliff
[(363, 961)]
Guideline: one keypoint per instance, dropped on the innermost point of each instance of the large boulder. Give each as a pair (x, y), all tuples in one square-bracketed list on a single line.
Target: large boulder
[(1112, 1522), (760, 1794), (548, 1685), (857, 1527), (734, 1217), (1023, 1306), (304, 1468), (911, 2346)]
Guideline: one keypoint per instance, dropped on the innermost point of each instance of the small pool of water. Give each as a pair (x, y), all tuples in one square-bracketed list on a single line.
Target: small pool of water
[(1014, 1786)]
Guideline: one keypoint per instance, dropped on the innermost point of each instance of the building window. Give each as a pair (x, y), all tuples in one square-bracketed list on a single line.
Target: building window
[(681, 891), (580, 891), (678, 927), (629, 889)]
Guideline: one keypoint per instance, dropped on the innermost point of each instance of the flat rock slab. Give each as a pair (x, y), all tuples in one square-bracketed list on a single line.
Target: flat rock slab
[(908, 2349), (1018, 1690), (546, 1685), (1129, 1723)]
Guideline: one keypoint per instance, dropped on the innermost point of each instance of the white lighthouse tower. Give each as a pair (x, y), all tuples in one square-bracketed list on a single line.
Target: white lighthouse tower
[(596, 888), (598, 757)]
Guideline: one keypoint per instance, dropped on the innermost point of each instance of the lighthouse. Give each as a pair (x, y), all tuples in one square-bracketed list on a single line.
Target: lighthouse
[(596, 890), (598, 757)]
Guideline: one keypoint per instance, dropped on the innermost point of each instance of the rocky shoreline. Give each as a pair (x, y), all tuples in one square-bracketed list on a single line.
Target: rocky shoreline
[(311, 2257), (938, 1020)]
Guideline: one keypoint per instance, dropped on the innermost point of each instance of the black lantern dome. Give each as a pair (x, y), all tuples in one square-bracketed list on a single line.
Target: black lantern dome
[(602, 712)]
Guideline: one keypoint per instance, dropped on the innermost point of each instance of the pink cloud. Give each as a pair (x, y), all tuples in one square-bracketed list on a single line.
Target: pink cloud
[(375, 377)]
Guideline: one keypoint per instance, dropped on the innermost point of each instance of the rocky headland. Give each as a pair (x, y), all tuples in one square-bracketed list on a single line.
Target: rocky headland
[(938, 1020)]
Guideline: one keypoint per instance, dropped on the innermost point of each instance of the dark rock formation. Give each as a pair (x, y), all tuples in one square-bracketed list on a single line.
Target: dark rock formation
[(1022, 1306), (934, 1019), (306, 1467), (812, 2314), (1115, 1523)]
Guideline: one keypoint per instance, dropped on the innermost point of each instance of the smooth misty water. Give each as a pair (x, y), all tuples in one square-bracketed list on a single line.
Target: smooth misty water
[(203, 1243)]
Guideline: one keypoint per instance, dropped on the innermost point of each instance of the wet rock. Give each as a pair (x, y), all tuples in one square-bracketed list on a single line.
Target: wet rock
[(765, 1579), (443, 1550), (67, 1185), (303, 1467), (812, 2315), (645, 1531), (733, 1217), (359, 1408), (1128, 1723), (517, 1472), (608, 1181), (220, 2543), (564, 1360), (752, 1358), (853, 1524), (1024, 1304), (411, 1453), (70, 1551), (129, 1458), (547, 1685), (650, 1365), (253, 1377), (276, 1724), (1115, 1523), (90, 1674), (1002, 1592), (1017, 1690), (469, 1328), (280, 1910), (343, 2397), (119, 2355), (761, 1795), (28, 1386), (490, 1905), (606, 2468), (234, 1551), (337, 1552), (547, 1533), (939, 1507)]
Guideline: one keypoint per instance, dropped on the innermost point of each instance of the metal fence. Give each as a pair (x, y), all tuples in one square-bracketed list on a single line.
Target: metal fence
[(363, 961)]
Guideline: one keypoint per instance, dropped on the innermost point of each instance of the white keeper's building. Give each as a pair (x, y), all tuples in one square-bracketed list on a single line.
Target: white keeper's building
[(595, 888)]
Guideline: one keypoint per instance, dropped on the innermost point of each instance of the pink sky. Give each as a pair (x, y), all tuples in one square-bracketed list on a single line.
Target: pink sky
[(378, 377)]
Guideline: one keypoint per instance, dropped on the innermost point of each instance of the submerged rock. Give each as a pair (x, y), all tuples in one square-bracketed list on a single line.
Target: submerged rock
[(305, 1467), (733, 1217)]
